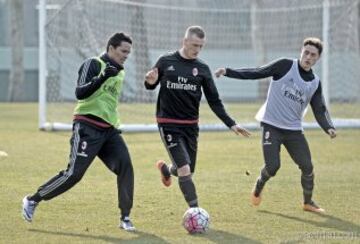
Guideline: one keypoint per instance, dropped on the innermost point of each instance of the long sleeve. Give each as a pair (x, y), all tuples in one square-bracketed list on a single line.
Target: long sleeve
[(276, 69), (215, 103), (320, 111), (88, 81)]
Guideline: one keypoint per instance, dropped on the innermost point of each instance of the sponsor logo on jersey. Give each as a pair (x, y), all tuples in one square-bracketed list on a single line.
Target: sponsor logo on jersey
[(295, 95), (293, 92), (111, 89), (182, 79), (181, 84)]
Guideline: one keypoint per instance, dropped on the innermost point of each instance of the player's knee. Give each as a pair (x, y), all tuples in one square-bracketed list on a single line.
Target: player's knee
[(307, 169), (121, 166), (272, 169), (76, 177), (184, 170)]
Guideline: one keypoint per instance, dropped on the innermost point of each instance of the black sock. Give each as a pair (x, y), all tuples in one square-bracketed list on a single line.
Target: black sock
[(125, 217), (36, 197), (260, 183), (188, 189), (307, 183), (173, 170)]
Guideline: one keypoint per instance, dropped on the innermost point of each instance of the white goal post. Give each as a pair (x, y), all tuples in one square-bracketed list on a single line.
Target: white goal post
[(239, 34)]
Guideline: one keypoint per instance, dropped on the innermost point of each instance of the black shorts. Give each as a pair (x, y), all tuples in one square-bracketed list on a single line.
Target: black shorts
[(181, 144), (294, 142)]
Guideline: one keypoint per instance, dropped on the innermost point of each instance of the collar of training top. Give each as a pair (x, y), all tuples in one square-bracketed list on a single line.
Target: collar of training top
[(105, 57)]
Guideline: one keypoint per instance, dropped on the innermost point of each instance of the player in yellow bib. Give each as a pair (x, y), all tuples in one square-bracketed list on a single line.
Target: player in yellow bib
[(95, 131)]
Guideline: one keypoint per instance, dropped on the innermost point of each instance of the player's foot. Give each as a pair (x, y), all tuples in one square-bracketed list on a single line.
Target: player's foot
[(255, 200), (28, 208), (127, 225), (313, 207), (164, 171)]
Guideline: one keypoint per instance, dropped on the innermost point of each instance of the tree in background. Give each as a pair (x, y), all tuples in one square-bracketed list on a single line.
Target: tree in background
[(16, 78)]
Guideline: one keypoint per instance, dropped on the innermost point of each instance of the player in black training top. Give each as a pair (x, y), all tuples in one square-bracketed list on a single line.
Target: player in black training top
[(181, 76), (292, 88)]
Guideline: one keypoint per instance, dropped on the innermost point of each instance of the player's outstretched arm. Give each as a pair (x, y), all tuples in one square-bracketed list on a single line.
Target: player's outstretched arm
[(240, 130)]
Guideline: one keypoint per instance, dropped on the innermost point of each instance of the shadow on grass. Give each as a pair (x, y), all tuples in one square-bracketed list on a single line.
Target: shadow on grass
[(329, 221), (220, 236), (141, 237)]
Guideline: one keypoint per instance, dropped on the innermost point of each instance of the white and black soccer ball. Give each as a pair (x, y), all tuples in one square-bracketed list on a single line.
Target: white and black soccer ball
[(196, 220)]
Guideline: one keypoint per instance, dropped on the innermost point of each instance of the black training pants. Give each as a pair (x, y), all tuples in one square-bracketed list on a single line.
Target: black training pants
[(87, 142), (294, 142)]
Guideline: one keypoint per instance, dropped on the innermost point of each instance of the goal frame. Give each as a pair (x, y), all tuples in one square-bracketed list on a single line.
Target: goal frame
[(44, 124)]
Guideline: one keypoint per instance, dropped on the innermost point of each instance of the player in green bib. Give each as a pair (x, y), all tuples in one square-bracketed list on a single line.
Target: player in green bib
[(95, 131)]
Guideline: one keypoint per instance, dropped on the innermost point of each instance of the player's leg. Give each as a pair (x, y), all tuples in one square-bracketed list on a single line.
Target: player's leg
[(85, 143), (298, 148), (176, 145), (192, 134), (116, 157), (190, 137), (271, 144)]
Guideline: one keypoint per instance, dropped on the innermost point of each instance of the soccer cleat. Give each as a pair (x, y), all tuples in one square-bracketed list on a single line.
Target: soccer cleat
[(254, 199), (312, 207), (166, 180), (28, 208), (127, 225)]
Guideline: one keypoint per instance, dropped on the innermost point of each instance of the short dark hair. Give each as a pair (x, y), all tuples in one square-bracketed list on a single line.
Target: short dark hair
[(195, 29), (314, 41), (116, 39)]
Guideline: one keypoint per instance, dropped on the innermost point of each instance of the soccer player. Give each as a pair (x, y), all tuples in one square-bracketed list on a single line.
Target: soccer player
[(181, 76), (95, 132), (292, 88)]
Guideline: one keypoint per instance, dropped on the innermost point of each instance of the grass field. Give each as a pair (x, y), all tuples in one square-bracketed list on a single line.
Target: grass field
[(88, 213)]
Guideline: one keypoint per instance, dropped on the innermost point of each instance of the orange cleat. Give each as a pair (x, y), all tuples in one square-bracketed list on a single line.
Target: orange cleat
[(312, 207), (165, 180), (254, 199)]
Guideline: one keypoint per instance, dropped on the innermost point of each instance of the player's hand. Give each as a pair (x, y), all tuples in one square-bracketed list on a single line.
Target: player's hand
[(219, 72), (240, 130), (110, 71), (332, 133), (152, 76)]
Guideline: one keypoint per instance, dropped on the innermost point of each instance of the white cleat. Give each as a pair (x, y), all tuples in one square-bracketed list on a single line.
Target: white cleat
[(28, 208), (127, 225)]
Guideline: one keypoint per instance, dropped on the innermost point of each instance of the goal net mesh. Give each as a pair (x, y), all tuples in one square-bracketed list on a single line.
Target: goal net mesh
[(239, 34)]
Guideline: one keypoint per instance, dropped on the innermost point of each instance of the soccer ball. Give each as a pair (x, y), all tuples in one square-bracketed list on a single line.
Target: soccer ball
[(196, 220)]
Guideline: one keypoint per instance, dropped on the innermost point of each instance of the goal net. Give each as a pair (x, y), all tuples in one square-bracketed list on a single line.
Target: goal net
[(239, 34)]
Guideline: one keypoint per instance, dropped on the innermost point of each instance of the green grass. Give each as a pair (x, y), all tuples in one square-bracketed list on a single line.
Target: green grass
[(88, 213)]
